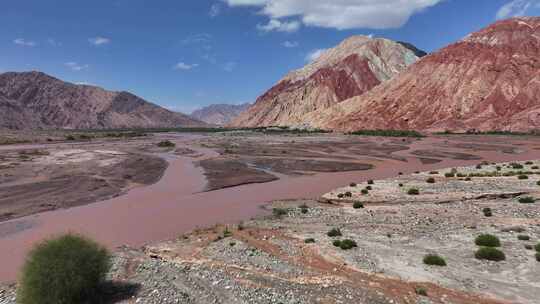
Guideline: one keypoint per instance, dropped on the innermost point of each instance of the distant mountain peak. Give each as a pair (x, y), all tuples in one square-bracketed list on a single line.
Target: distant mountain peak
[(219, 114)]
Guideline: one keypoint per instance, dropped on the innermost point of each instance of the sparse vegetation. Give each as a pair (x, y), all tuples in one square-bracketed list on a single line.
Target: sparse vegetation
[(413, 191), (523, 176), (370, 182), (353, 185), (537, 255), (279, 212), (358, 205), (434, 172), (523, 237), (489, 253), (487, 240), (309, 241), (335, 232), (421, 291), (450, 174), (347, 244), (369, 188), (537, 247), (304, 208), (487, 212), (68, 269), (526, 200), (430, 180), (388, 133), (166, 144), (434, 260), (364, 191), (516, 166)]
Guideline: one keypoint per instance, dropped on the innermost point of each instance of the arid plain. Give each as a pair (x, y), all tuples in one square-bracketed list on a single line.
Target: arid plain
[(158, 206)]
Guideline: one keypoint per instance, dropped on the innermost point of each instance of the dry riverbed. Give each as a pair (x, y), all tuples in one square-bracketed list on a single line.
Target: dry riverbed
[(268, 260)]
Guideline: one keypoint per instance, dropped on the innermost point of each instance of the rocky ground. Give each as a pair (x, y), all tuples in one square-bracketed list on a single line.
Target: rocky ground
[(289, 258)]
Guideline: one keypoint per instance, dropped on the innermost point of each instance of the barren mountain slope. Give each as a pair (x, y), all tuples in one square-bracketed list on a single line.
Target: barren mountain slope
[(36, 100), (219, 114), (352, 68), (488, 81)]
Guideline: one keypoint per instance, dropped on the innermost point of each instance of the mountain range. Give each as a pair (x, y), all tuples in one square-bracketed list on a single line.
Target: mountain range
[(219, 114), (34, 100)]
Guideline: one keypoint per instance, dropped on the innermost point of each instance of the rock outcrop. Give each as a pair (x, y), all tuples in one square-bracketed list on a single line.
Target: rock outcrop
[(490, 80), (33, 100), (352, 68)]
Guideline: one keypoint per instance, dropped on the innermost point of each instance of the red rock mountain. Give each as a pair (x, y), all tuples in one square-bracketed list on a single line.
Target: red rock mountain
[(33, 100), (490, 80), (219, 114), (352, 68)]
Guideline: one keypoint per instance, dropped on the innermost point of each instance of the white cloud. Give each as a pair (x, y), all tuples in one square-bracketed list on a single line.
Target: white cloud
[(24, 42), (341, 14), (517, 8), (290, 44), (74, 66), (314, 55), (184, 66), (99, 40), (280, 26), (229, 66), (215, 10)]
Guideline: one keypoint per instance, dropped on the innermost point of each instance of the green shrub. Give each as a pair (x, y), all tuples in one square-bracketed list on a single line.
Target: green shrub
[(537, 247), (400, 185), (434, 260), (538, 256), (348, 194), (478, 166), (421, 291), (523, 237), (370, 182), (369, 188), (523, 176), (334, 232), (65, 270), (526, 200), (450, 174), (336, 243), (528, 163), (468, 179), (489, 253), (430, 180), (413, 191), (352, 185), (304, 208), (487, 212), (487, 240), (538, 183), (516, 166), (358, 205), (365, 191), (498, 168), (434, 172), (279, 212), (529, 247), (347, 244), (341, 195), (166, 144), (309, 241)]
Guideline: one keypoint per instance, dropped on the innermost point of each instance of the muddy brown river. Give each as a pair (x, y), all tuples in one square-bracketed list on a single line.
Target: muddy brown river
[(176, 204)]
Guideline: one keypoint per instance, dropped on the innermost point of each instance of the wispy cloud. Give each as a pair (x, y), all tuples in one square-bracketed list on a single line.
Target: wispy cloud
[(279, 26), (314, 55), (201, 38), (517, 8), (215, 10), (99, 41), (54, 42), (185, 66), (290, 44), (74, 66), (24, 42), (229, 66)]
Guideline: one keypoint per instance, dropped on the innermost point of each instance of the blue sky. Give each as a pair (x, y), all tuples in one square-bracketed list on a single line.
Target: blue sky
[(183, 54)]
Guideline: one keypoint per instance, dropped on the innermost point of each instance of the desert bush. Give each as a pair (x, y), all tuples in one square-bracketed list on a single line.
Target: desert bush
[(369, 188), (336, 243), (304, 208), (348, 194), (478, 166), (309, 241), (523, 237), (516, 166), (487, 240), (166, 144), (421, 291), (498, 168), (364, 191), (529, 247), (413, 191), (347, 244), (537, 247), (430, 180), (388, 133), (528, 163), (526, 200), (358, 205), (352, 185), (450, 174), (341, 195), (489, 253), (487, 212), (461, 175), (334, 232), (279, 212), (65, 270), (537, 256), (400, 185), (370, 182), (434, 260), (434, 172), (523, 176), (538, 183), (468, 179)]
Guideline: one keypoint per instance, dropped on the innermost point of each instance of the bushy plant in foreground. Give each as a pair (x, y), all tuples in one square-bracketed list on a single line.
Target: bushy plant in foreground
[(489, 253), (65, 270), (413, 191), (334, 232), (487, 240), (434, 260)]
